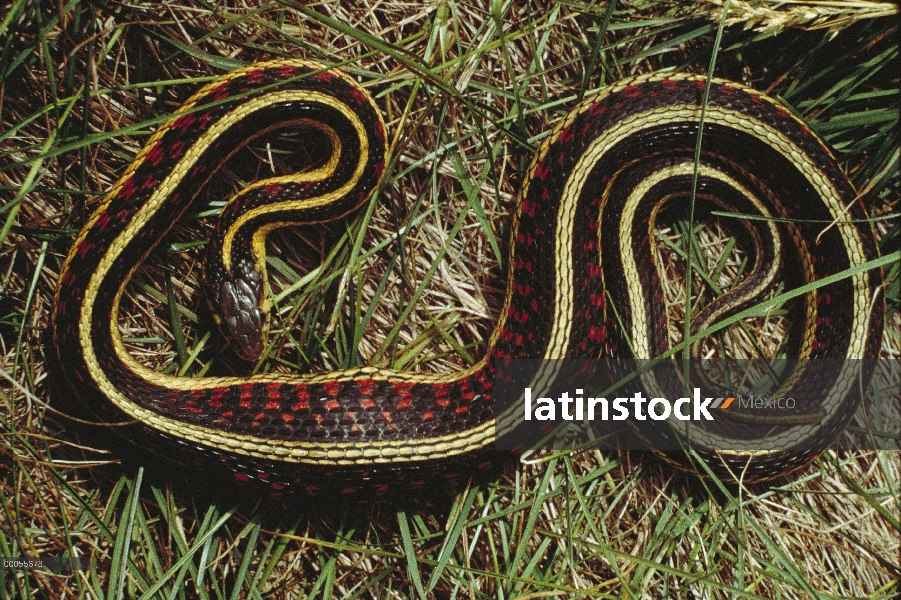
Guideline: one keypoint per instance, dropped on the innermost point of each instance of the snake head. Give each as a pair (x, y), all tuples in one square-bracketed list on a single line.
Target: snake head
[(242, 312)]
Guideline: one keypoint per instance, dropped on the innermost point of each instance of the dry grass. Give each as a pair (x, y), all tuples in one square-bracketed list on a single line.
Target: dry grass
[(468, 91), (775, 16)]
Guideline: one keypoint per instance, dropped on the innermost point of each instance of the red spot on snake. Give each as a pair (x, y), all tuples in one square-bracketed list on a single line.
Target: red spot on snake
[(541, 171), (367, 404), (184, 123), (670, 85), (359, 96), (84, 249), (287, 417), (632, 91), (302, 405), (220, 92), (241, 477), (155, 155), (176, 149), (332, 405), (103, 221), (566, 135), (203, 120), (403, 404), (128, 189), (597, 334), (272, 405), (528, 208)]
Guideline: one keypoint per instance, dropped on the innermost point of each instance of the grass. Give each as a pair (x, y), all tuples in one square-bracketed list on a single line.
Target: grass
[(414, 281)]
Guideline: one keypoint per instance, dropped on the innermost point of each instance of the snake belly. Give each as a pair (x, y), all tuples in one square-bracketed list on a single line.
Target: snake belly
[(573, 291)]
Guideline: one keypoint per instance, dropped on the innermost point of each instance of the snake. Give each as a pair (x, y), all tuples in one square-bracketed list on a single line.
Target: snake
[(583, 280)]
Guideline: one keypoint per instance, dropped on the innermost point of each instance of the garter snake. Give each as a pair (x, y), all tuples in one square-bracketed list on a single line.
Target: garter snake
[(626, 151)]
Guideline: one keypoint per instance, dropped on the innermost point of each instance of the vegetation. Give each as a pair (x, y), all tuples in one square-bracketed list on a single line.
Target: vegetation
[(414, 281)]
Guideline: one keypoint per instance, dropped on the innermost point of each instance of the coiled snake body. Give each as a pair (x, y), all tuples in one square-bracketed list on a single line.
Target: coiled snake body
[(573, 256)]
